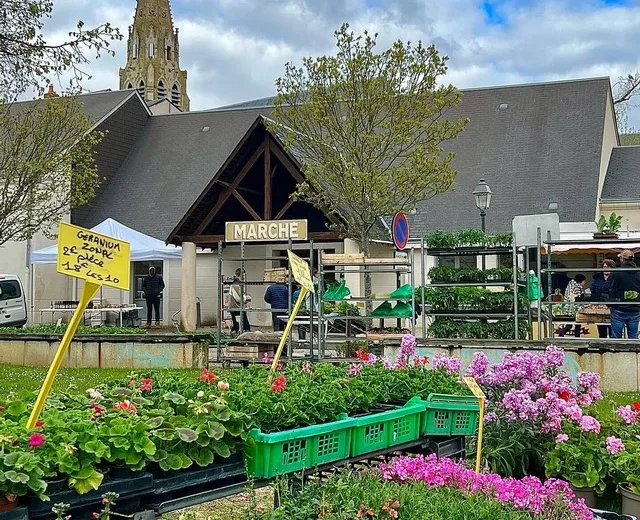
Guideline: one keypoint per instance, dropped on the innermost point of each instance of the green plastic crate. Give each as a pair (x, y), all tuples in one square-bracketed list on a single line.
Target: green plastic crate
[(450, 415), (269, 454), (383, 430)]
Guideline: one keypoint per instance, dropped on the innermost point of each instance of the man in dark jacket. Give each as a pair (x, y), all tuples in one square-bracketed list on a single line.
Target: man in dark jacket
[(625, 286), (277, 296), (153, 285)]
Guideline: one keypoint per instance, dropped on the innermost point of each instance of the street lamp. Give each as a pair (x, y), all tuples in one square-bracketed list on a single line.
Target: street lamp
[(482, 193)]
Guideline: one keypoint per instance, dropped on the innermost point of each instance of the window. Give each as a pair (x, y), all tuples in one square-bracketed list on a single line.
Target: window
[(129, 86), (175, 95), (162, 92), (169, 53), (151, 50), (505, 261), (10, 290), (141, 88), (136, 45)]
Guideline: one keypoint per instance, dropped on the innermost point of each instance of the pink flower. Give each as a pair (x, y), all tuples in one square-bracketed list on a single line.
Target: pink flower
[(450, 365), (223, 386), (306, 367), (589, 424), (626, 414), (478, 367), (35, 440), (39, 424), (97, 410), (126, 406), (614, 445), (265, 358), (207, 376), (354, 369), (561, 437), (146, 385)]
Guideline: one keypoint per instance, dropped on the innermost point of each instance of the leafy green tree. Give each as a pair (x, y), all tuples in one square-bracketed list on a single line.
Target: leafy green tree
[(368, 129), (47, 164)]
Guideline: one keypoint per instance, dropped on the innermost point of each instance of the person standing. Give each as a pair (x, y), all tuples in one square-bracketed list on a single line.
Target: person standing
[(277, 295), (600, 292), (625, 286), (574, 291), (152, 286), (237, 300)]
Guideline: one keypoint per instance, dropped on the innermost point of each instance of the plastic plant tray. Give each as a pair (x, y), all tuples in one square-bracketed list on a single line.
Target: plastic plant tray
[(450, 415), (269, 454), (385, 429)]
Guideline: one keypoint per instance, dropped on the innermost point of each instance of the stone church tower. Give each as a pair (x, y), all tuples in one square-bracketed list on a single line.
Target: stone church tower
[(153, 56)]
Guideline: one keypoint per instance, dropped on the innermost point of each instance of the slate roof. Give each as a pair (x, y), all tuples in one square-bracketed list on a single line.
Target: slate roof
[(170, 165), (622, 183), (96, 105), (545, 146)]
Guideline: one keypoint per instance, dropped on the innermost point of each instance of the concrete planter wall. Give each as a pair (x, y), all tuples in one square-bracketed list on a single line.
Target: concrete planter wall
[(617, 361), (108, 351)]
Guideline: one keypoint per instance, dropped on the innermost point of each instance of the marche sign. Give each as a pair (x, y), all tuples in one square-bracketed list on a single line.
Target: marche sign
[(98, 260), (479, 394), (302, 274)]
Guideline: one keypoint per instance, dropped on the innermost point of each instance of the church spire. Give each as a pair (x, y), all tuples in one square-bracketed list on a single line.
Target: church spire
[(153, 56)]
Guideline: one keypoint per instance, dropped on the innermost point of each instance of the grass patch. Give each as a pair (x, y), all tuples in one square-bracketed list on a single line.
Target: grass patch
[(82, 329), (29, 379)]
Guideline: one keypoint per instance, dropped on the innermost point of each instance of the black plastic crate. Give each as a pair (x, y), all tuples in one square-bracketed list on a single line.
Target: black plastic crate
[(17, 513), (451, 447)]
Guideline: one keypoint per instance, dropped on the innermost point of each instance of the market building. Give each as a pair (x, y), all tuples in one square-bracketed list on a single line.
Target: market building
[(180, 176)]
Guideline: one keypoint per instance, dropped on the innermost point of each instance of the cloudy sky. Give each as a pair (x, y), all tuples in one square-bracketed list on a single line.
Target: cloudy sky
[(234, 49)]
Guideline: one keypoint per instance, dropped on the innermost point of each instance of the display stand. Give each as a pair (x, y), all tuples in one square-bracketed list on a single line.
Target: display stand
[(244, 283), (548, 244), (514, 284), (337, 264)]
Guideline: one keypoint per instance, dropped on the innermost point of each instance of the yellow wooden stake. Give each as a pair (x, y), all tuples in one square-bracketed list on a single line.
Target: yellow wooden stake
[(88, 292), (481, 423), (287, 329)]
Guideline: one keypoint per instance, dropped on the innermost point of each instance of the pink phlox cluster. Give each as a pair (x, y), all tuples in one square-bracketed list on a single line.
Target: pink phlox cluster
[(530, 493), (450, 365), (533, 387), (407, 350), (614, 445)]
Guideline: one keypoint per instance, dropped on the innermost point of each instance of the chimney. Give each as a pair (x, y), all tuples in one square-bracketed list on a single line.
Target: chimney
[(51, 93)]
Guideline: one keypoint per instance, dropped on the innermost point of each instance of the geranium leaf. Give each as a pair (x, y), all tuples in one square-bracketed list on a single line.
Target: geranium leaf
[(222, 449), (186, 434), (175, 398)]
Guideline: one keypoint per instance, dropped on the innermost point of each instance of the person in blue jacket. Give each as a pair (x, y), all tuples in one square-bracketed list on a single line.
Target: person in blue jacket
[(277, 295)]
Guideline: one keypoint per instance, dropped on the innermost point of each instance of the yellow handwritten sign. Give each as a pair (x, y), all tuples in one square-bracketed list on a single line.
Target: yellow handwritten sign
[(94, 257), (301, 272), (475, 389)]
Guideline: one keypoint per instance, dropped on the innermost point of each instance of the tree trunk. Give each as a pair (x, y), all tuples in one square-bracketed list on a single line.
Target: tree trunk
[(366, 251)]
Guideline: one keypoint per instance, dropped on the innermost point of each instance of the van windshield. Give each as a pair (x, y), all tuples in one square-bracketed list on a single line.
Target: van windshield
[(9, 289)]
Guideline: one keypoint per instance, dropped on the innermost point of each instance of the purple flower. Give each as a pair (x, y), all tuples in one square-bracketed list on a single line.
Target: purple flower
[(561, 437), (490, 417), (589, 424), (450, 365), (478, 367), (354, 369), (626, 414), (555, 356), (614, 445)]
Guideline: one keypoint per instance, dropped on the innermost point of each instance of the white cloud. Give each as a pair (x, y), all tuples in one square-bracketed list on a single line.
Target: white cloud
[(234, 49)]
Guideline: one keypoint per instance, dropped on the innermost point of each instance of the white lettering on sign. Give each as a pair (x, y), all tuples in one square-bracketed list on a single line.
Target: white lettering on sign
[(271, 230)]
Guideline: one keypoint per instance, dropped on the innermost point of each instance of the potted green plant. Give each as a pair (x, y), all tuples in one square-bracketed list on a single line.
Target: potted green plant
[(580, 458), (608, 227), (21, 472)]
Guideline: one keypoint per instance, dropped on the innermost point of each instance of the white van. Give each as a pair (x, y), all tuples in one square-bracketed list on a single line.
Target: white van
[(13, 304)]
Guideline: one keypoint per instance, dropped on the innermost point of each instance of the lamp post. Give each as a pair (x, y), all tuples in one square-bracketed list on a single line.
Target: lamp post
[(482, 194)]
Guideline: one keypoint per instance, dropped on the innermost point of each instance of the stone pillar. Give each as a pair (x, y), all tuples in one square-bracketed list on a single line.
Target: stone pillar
[(188, 289)]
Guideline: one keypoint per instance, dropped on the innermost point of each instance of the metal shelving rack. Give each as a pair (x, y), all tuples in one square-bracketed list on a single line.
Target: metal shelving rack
[(393, 265), (615, 243), (514, 284), (223, 282)]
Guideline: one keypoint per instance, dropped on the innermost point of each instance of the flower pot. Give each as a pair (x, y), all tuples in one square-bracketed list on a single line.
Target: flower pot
[(605, 236), (630, 502), (608, 515), (6, 504), (123, 472), (587, 494), (56, 485)]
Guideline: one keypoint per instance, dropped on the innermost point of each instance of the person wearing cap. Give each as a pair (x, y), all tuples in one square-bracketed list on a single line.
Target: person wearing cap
[(625, 286)]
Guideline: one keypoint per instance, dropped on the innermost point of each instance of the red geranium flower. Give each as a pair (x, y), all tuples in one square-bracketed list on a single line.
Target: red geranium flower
[(362, 356), (564, 395), (207, 376), (39, 424), (35, 440), (636, 406), (421, 361), (97, 410), (146, 385), (279, 384), (126, 405)]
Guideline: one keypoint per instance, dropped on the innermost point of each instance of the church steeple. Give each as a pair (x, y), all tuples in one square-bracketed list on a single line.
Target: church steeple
[(153, 55)]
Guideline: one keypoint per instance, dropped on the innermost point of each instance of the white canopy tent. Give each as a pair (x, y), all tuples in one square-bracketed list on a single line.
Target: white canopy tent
[(143, 247)]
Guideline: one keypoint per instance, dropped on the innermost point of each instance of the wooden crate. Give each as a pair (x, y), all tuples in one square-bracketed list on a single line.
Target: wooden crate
[(358, 258), (278, 274), (249, 351)]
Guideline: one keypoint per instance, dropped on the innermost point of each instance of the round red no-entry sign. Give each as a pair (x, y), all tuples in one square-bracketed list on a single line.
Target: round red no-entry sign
[(400, 230)]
